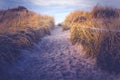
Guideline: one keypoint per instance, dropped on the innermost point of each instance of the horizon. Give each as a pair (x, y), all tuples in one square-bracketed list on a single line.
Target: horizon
[(58, 9)]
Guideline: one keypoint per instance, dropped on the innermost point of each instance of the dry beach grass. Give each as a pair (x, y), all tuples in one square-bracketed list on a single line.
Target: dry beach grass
[(59, 56), (99, 34), (21, 29)]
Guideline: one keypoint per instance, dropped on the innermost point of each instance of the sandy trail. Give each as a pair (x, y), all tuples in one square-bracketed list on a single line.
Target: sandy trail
[(55, 58)]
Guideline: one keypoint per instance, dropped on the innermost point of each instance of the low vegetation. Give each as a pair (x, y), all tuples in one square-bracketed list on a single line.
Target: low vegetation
[(21, 29), (99, 33), (72, 17)]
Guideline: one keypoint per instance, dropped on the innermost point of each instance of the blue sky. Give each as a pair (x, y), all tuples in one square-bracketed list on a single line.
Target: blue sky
[(57, 8)]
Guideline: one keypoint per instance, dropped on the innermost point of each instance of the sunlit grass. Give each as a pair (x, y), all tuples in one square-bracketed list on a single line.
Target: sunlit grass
[(21, 29), (99, 33), (71, 18)]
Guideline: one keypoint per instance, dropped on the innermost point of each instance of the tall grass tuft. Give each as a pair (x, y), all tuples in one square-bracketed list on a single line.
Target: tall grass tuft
[(104, 12), (21, 29), (99, 34), (72, 17)]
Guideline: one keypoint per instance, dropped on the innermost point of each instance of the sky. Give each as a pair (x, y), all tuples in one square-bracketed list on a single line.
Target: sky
[(59, 9)]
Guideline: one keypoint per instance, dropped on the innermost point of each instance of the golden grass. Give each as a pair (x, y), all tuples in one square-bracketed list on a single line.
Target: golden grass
[(99, 35), (72, 18), (21, 19), (21, 29)]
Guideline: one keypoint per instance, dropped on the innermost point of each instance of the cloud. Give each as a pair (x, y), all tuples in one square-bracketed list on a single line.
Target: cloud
[(52, 2), (57, 8), (58, 2)]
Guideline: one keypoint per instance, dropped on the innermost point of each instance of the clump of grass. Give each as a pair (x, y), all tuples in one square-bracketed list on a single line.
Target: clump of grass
[(21, 29), (99, 35), (81, 33), (108, 56), (81, 15), (104, 12), (8, 50), (23, 18)]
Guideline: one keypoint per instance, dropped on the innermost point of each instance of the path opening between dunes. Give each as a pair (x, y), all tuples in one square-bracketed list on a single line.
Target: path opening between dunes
[(55, 58)]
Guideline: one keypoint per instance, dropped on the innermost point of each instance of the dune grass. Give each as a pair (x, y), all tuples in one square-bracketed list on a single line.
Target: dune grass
[(21, 29), (104, 12), (99, 34), (71, 18)]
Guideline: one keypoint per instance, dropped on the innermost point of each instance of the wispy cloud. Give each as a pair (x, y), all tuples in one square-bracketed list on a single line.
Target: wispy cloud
[(57, 8), (54, 2)]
